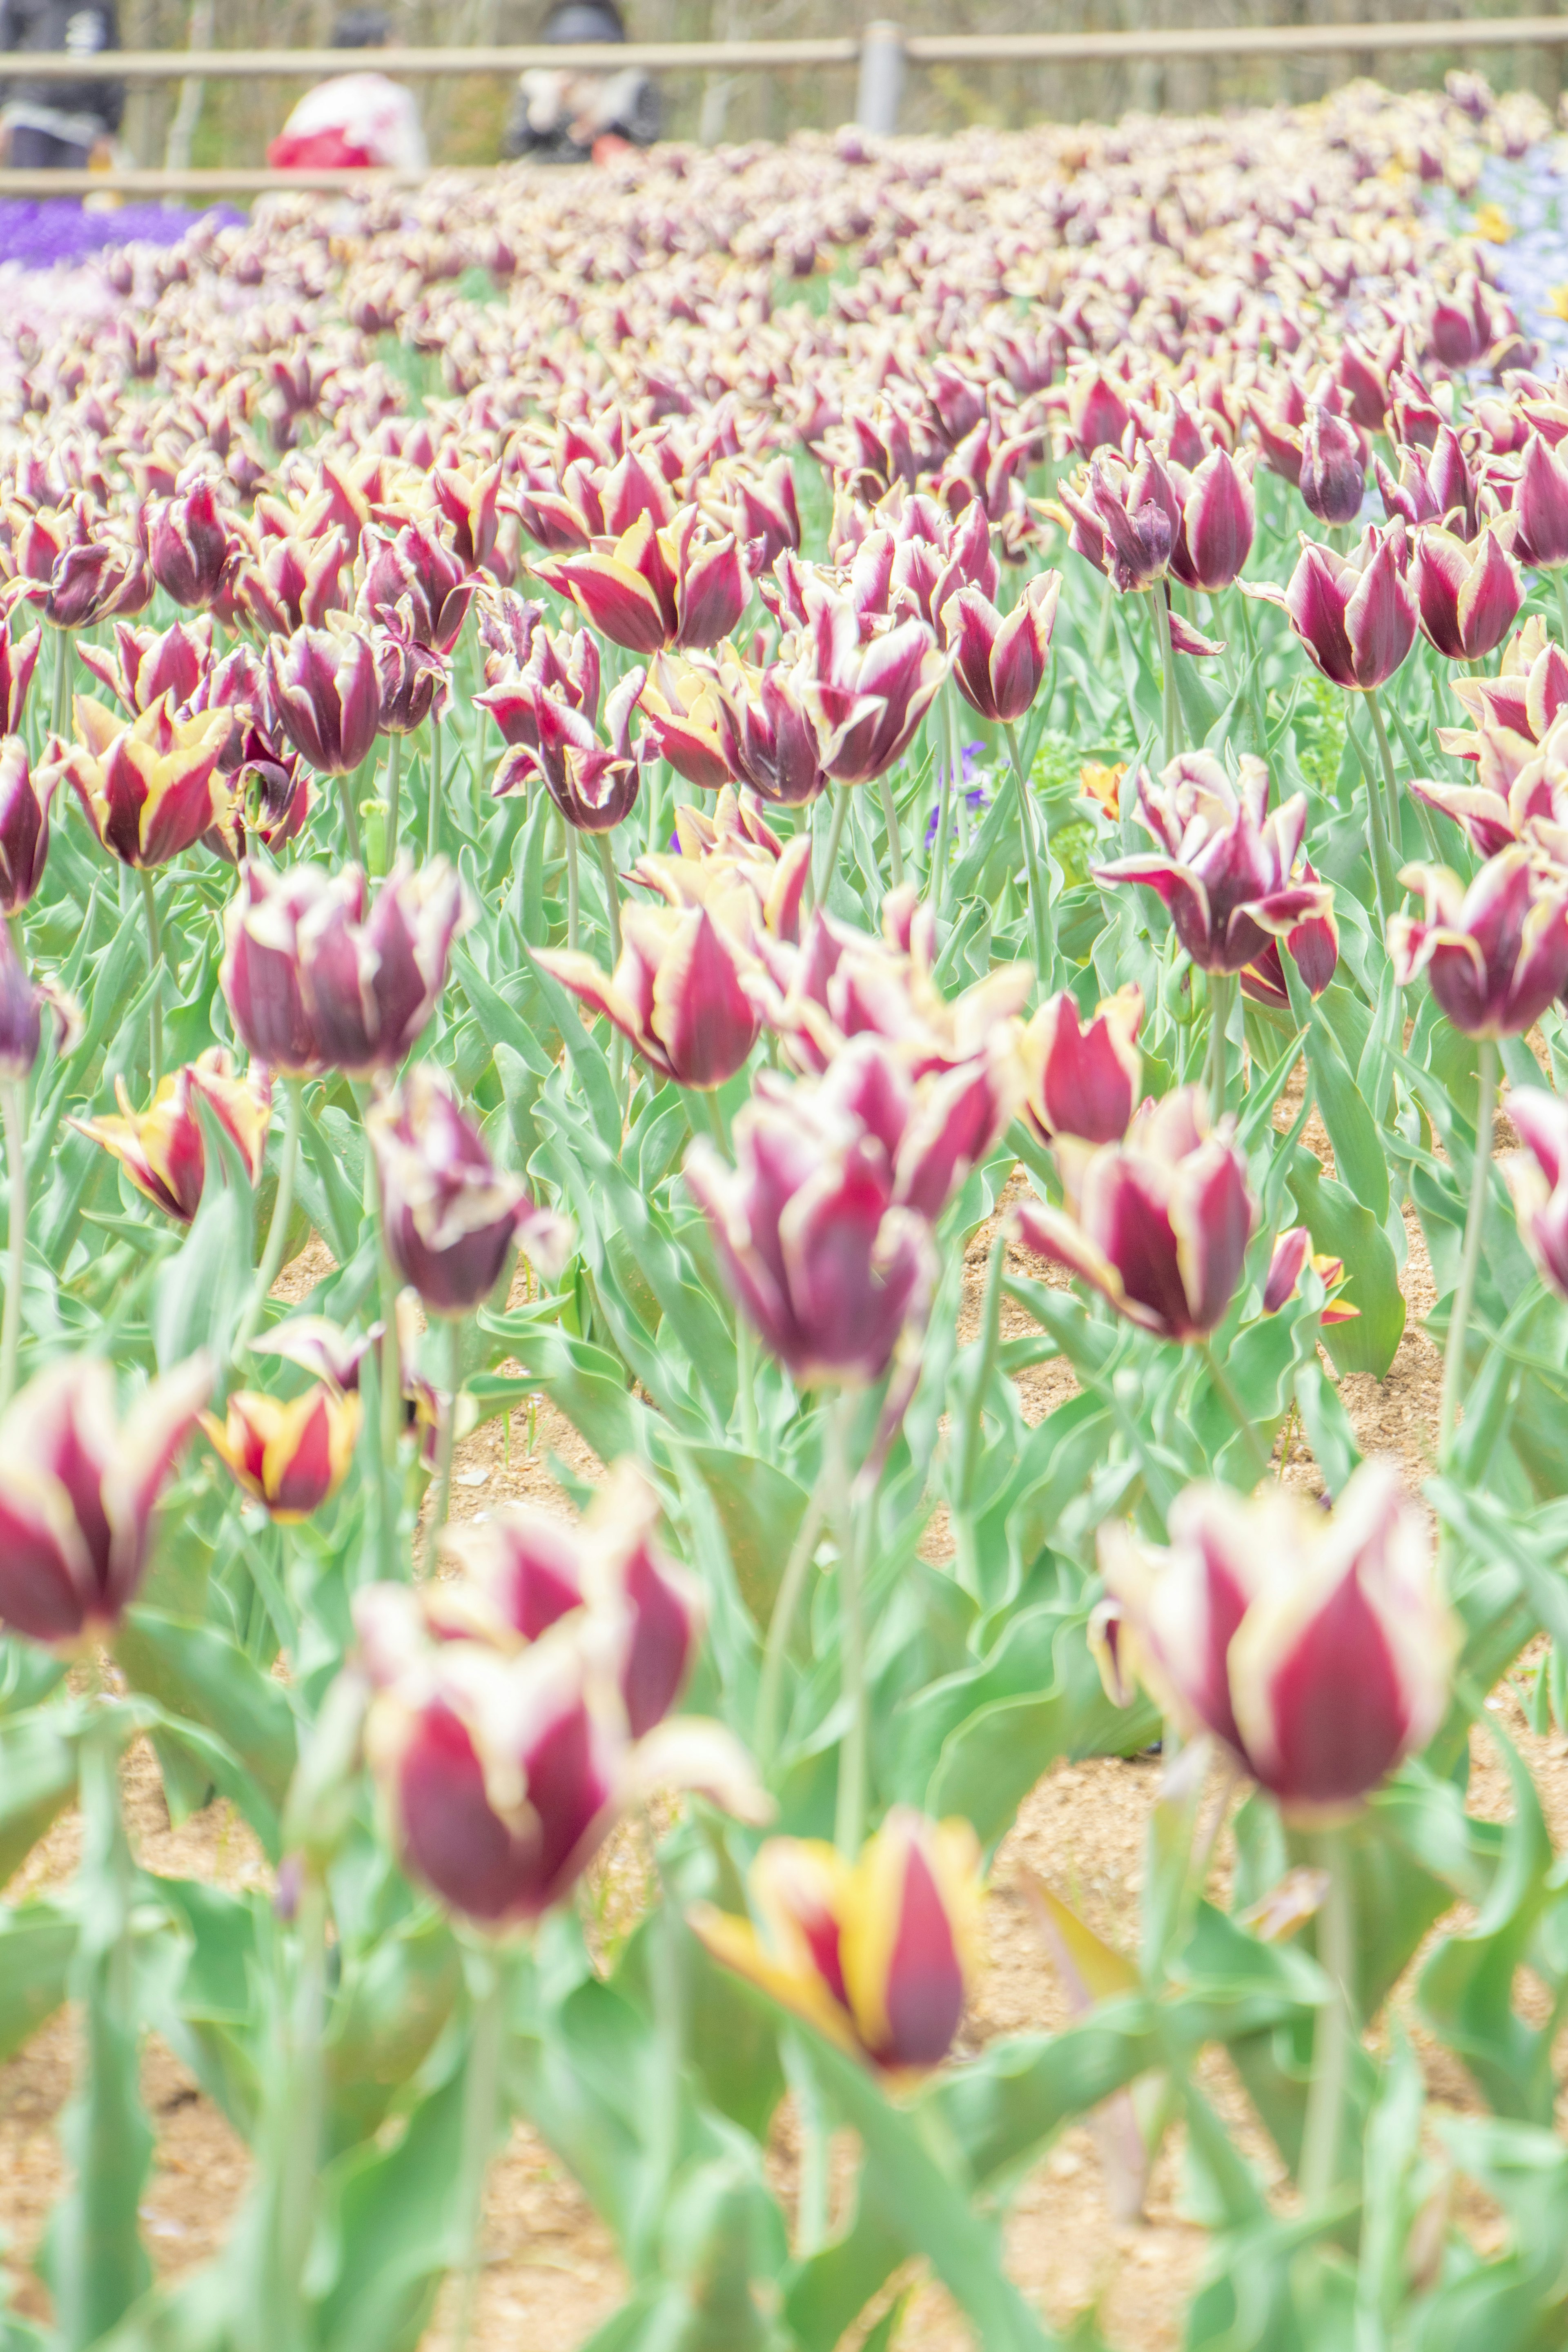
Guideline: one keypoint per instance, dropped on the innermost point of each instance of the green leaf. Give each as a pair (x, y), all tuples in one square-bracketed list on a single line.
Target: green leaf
[(37, 1944), (759, 1508), (200, 1293), (393, 2001), (1340, 1228), (1360, 1159), (195, 1671), (37, 1781)]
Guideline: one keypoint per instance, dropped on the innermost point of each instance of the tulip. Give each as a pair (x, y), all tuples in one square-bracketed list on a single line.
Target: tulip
[(1125, 519), (999, 664), (594, 784), (1290, 1257), (466, 504), (1313, 946), (1468, 596), (864, 698), (291, 1457), (750, 882), (1540, 508), (321, 1347), (1159, 1223), (521, 1570), (19, 659), (189, 547), (1434, 486), (812, 1245), (1496, 952), (311, 983), (413, 679), (1225, 875), (78, 1487), (149, 789), (1332, 478), (418, 567), (162, 1148), (1314, 1644), (22, 1003), (325, 693), (503, 1775), (1537, 1181), (652, 588), (147, 663), (1097, 411), (448, 1214), (1355, 614), (879, 1954), (1084, 1081), (679, 711), (551, 667), (93, 580), (272, 799), (506, 627), (23, 823), (933, 1127), (766, 736), (678, 992), (1218, 518), (296, 583), (1529, 691)]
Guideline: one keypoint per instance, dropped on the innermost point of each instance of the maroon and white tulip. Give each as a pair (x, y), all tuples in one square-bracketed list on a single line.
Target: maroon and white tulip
[(1469, 595), (325, 693), (450, 1217), (1496, 952), (999, 660), (1084, 1080), (1538, 1179), (1355, 614)]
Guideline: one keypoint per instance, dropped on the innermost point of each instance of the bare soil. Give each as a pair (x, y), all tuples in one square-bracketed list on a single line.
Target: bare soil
[(552, 2274)]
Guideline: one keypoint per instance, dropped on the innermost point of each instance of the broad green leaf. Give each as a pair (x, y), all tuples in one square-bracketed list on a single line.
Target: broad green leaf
[(1340, 1228)]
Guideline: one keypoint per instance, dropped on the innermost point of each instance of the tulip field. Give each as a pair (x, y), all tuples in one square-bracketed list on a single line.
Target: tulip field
[(784, 927)]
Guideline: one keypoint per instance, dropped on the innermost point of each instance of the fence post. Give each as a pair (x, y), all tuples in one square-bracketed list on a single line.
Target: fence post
[(881, 78)]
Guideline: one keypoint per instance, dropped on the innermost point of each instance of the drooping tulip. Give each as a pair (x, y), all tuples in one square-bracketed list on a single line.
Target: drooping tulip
[(1314, 1644), (879, 1954), (1158, 1222), (78, 1487)]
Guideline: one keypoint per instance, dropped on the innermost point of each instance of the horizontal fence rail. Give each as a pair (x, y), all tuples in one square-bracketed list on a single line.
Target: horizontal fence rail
[(881, 54)]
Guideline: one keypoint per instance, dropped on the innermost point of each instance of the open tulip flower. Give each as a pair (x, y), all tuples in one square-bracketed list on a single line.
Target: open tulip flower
[(1354, 615), (1292, 1254), (293, 584), (733, 864), (144, 665), (94, 579), (1435, 485), (1496, 952), (879, 1954), (1527, 694), (767, 734), (25, 801), (291, 1457), (78, 1487), (1313, 946), (314, 981), (679, 991), (1084, 1081), (1469, 595), (865, 697), (450, 1215), (150, 787), (679, 712), (190, 547), (1315, 1645), (999, 663), (1225, 871), (325, 692), (1125, 519), (162, 1148), (418, 568), (652, 588), (594, 784), (1159, 1223), (1538, 1179), (537, 664)]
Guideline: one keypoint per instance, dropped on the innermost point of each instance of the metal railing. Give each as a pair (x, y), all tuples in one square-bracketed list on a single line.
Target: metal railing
[(882, 54)]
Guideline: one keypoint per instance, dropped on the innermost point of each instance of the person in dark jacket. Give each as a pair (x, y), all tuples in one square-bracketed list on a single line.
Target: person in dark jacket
[(578, 116), (54, 126)]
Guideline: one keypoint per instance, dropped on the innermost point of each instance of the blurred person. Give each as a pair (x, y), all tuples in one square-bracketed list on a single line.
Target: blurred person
[(353, 119), (579, 115), (57, 126)]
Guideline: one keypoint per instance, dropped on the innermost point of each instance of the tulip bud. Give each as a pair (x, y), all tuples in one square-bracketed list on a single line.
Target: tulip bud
[(189, 547), (448, 1215), (93, 580), (1333, 480), (326, 694), (163, 1150), (23, 823), (78, 1487), (1000, 664), (678, 992), (1313, 1644), (19, 659), (147, 663), (1495, 953), (879, 1955), (412, 680), (293, 1458), (1226, 874), (1217, 525), (1468, 596), (150, 788), (1160, 1220), (1084, 1082), (1355, 614), (1540, 508), (1537, 1182)]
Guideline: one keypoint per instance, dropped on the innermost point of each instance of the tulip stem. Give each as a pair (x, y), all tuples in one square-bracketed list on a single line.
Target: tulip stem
[(481, 2108), (835, 835), (1039, 896), (986, 1341), (574, 906), (394, 788), (61, 682), (297, 2126), (448, 1430), (391, 1404), (1469, 1265), (890, 819), (1377, 837), (780, 1624), (1332, 2040), (849, 1824), (433, 816), (271, 1264), (1561, 586), (746, 1382), (936, 876), (1222, 996), (351, 816), (612, 894), (1386, 754), (1236, 1410), (155, 972), (1170, 708), (1255, 679), (13, 1106)]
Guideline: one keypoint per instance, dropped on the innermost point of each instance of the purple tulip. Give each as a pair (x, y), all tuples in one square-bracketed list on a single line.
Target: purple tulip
[(450, 1215), (147, 663), (1538, 1182), (190, 548), (19, 659), (325, 692), (1084, 1081), (864, 696), (650, 589), (1125, 519), (1355, 614), (594, 784), (1225, 872), (1218, 519), (999, 663), (1495, 953), (1468, 596), (1332, 478), (419, 569), (765, 736), (23, 823), (1540, 508), (679, 991)]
